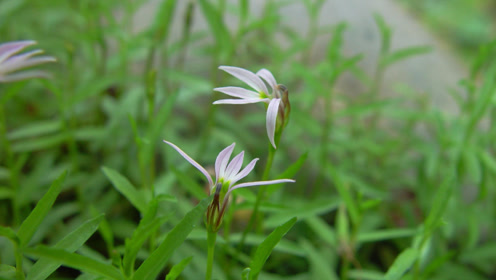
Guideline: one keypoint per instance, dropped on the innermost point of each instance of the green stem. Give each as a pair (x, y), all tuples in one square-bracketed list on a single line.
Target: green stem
[(9, 156), (345, 266), (18, 258), (211, 237)]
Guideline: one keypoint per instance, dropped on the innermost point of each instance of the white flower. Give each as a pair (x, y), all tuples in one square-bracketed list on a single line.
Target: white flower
[(227, 174), (9, 62), (261, 94)]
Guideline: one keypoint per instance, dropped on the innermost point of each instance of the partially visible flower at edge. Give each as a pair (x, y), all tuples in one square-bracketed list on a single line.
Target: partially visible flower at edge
[(278, 98), (10, 62), (227, 174)]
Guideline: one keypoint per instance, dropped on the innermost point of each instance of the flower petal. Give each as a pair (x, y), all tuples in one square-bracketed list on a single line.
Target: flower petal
[(11, 48), (23, 61), (256, 183), (246, 76), (234, 166), (238, 92), (268, 77), (244, 172), (272, 111), (222, 160), (240, 101), (193, 162), (24, 75)]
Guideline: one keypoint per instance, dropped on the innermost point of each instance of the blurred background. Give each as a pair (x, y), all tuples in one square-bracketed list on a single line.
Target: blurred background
[(390, 137)]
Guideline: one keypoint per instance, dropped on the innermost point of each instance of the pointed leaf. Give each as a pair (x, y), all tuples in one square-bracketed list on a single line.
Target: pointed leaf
[(265, 249), (76, 261), (31, 223), (70, 243), (401, 264), (320, 266), (127, 189), (152, 266), (177, 269)]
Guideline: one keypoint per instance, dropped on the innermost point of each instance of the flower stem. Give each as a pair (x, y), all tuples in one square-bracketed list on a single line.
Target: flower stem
[(9, 162), (211, 237), (18, 258)]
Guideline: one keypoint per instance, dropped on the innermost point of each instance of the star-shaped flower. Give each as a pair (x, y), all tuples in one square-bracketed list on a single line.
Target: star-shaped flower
[(9, 62), (227, 174), (259, 81)]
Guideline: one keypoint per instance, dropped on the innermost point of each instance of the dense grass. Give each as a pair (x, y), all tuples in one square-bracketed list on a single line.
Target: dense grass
[(385, 188)]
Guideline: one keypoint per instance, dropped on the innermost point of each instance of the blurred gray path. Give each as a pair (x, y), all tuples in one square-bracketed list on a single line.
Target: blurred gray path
[(434, 73)]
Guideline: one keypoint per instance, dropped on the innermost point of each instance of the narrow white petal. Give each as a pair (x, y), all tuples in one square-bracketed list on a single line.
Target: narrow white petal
[(240, 101), (244, 172), (11, 48), (238, 92), (272, 111), (23, 75), (268, 77), (246, 76), (234, 166), (258, 183), (193, 162), (222, 160), (20, 62)]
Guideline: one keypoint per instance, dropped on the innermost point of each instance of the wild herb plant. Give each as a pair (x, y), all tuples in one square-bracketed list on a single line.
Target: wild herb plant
[(385, 188)]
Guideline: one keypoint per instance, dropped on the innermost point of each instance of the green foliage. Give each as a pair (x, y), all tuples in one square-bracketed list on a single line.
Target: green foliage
[(386, 187)]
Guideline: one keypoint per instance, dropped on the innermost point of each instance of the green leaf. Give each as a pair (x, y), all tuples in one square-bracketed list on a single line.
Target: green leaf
[(152, 266), (245, 274), (70, 243), (363, 274), (163, 19), (333, 53), (401, 264), (125, 187), (156, 128), (148, 224), (35, 129), (177, 269), (323, 230), (439, 203), (265, 249), (374, 236), (403, 54), (76, 261), (291, 171), (7, 272), (9, 233), (41, 143), (308, 209), (32, 222), (346, 194), (188, 183), (215, 21), (385, 33), (319, 264)]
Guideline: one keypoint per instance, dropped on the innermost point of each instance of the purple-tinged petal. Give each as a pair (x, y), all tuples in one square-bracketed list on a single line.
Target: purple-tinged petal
[(11, 48), (193, 162), (234, 166), (272, 111), (238, 92), (268, 77), (20, 62), (244, 172), (256, 183), (240, 101), (246, 76), (24, 75), (222, 160)]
